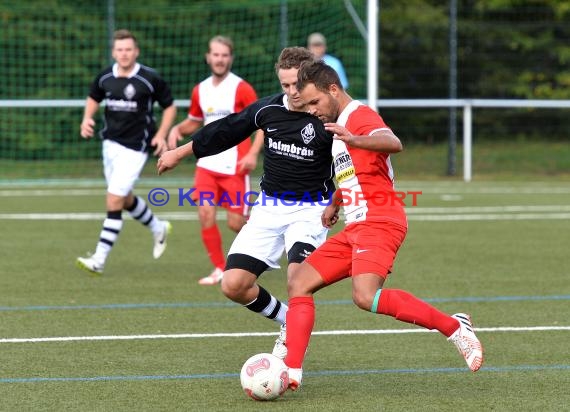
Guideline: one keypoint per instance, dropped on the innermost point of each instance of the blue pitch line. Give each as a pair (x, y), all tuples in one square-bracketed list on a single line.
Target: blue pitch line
[(121, 306), (232, 304), (468, 299), (519, 368)]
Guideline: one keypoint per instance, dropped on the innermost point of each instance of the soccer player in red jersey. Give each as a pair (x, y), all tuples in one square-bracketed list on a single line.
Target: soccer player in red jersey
[(376, 226), (226, 173)]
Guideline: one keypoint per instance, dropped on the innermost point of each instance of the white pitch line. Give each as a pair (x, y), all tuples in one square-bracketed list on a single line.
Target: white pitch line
[(437, 216), (52, 216), (260, 334), (52, 192), (489, 209), (89, 188), (496, 216), (474, 188)]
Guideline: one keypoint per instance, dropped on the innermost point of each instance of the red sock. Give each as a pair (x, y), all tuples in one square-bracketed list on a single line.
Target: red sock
[(300, 322), (212, 240), (406, 307)]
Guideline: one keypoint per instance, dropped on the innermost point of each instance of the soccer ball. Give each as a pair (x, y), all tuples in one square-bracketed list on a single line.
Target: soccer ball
[(264, 377)]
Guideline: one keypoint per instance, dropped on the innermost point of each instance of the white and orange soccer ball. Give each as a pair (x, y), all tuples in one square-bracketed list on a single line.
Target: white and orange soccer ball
[(264, 377)]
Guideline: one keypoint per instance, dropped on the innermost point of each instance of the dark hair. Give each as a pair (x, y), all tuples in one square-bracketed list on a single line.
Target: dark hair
[(292, 57), (318, 73), (124, 34)]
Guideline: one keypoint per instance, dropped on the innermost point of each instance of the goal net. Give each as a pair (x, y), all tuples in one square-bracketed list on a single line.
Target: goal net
[(52, 50)]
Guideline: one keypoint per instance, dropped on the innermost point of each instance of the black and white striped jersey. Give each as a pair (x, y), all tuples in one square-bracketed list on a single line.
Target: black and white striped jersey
[(129, 101), (297, 150)]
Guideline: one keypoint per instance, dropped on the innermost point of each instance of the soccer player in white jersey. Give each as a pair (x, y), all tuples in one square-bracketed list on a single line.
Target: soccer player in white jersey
[(129, 90), (225, 174)]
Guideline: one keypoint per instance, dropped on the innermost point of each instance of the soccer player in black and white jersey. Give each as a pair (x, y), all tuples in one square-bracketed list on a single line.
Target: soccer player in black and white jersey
[(130, 91), (295, 188)]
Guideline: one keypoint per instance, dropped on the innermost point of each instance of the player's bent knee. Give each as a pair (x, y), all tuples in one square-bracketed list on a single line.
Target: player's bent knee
[(207, 217), (362, 300), (236, 283), (233, 290), (235, 226), (297, 284), (293, 287)]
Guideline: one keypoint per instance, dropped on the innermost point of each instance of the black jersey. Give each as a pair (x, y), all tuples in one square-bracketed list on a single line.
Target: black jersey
[(297, 152), (129, 101)]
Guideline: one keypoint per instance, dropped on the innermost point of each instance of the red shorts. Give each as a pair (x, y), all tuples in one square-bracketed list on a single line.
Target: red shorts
[(362, 247), (227, 191)]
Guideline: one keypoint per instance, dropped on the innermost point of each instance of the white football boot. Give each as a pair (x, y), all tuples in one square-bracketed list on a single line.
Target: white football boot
[(160, 240), (213, 278), (466, 342), (280, 350), (295, 378), (90, 264)]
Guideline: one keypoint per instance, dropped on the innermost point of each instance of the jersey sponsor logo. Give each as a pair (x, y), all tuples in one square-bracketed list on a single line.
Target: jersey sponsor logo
[(269, 130), (129, 91), (345, 174), (290, 150), (361, 250), (305, 253), (121, 105), (212, 115), (308, 133), (343, 167)]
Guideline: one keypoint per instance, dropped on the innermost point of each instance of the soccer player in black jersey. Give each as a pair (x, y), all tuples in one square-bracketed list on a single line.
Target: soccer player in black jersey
[(295, 188), (130, 91)]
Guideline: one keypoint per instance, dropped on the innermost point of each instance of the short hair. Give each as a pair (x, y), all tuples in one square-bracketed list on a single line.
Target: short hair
[(123, 34), (225, 40), (319, 73), (292, 57), (316, 39)]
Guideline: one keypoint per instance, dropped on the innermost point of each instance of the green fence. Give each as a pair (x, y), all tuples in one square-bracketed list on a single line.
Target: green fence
[(52, 50)]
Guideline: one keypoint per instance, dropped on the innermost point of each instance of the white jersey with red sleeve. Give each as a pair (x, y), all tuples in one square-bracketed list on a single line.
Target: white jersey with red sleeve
[(209, 103), (365, 178)]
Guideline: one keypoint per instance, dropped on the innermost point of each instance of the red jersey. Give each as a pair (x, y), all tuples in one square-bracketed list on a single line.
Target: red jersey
[(365, 178), (211, 103)]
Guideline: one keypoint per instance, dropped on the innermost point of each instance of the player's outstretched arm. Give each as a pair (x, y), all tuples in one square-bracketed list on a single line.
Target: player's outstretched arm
[(170, 159), (383, 140)]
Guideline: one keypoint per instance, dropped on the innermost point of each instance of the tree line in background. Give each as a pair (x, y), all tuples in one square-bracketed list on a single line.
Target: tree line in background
[(509, 49)]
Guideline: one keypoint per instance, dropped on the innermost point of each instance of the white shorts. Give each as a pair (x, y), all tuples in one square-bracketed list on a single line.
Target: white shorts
[(273, 228), (122, 167)]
